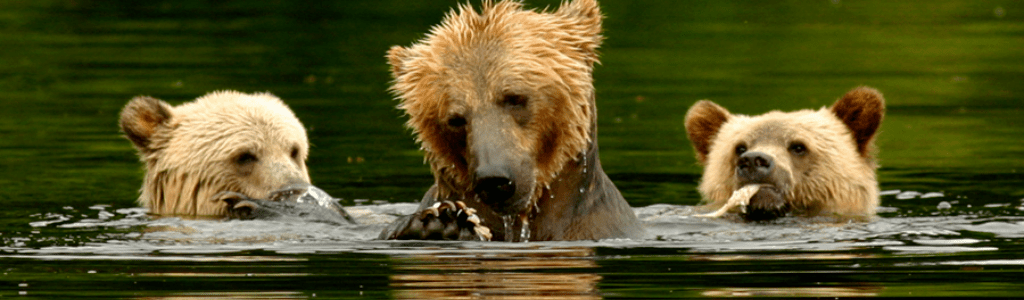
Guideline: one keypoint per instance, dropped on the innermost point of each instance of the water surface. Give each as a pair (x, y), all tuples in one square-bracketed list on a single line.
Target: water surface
[(950, 151)]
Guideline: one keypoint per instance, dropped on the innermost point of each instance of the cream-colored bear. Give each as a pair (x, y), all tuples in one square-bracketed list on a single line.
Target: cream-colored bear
[(225, 141), (807, 162)]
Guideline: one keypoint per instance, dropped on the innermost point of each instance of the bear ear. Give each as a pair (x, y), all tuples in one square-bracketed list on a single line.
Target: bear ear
[(396, 55), (584, 26), (861, 109), (141, 119), (703, 121)]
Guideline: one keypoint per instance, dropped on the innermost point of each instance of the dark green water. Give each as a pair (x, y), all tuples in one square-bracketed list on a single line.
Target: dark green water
[(952, 73)]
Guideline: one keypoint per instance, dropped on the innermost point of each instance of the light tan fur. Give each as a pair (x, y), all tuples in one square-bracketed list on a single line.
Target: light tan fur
[(195, 150), (835, 177), (507, 93), (547, 57)]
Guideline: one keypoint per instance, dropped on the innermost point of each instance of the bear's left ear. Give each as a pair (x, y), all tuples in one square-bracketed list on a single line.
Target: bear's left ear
[(141, 119), (583, 25), (861, 109), (396, 56), (703, 121)]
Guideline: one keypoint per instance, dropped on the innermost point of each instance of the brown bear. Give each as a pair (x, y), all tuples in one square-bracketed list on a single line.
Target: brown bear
[(805, 163), (244, 144), (502, 102)]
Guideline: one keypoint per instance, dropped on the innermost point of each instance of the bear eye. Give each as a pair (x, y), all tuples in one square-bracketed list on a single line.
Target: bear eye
[(514, 100), (740, 149), (246, 158), (516, 105), (295, 153), (798, 149), (457, 121)]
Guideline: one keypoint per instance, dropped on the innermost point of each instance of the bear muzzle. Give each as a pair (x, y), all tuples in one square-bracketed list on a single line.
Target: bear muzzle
[(769, 202), (301, 201), (498, 187)]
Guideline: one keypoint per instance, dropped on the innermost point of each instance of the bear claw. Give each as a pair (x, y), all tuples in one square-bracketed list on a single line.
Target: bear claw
[(445, 220)]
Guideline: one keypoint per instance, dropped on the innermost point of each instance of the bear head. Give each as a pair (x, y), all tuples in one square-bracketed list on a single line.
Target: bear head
[(500, 100), (225, 141), (809, 162)]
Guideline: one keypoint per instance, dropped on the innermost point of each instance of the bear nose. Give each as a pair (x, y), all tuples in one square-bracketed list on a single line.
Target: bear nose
[(493, 186), (754, 166)]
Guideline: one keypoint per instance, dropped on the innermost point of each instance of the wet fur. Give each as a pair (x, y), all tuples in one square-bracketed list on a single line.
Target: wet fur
[(191, 151), (467, 67), (835, 177)]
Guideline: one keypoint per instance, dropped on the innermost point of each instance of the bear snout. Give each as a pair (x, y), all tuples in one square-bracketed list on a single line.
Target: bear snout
[(495, 189), (494, 186), (754, 167), (289, 192)]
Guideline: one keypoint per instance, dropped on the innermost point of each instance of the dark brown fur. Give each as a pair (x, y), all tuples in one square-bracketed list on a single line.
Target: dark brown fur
[(503, 104)]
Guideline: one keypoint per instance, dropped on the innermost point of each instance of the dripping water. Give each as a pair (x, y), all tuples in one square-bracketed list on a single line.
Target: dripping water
[(524, 231), (508, 222)]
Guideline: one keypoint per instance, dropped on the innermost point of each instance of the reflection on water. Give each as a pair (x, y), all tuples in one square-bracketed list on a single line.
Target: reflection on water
[(685, 256), (795, 292), (554, 273)]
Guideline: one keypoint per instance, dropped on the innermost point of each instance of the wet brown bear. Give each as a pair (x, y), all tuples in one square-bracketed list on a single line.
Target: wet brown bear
[(502, 102), (250, 144), (808, 162)]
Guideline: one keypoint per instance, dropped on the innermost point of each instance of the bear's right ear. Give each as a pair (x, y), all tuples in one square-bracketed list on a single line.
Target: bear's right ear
[(703, 121), (141, 118), (861, 109), (583, 27), (396, 55)]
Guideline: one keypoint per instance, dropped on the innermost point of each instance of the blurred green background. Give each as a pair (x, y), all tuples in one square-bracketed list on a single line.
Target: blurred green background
[(951, 71)]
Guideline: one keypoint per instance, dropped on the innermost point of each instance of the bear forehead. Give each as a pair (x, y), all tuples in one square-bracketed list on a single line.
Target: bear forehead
[(819, 128), (495, 28), (239, 117), (493, 47)]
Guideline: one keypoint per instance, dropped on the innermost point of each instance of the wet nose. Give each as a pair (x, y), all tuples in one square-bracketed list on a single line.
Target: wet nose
[(494, 185), (754, 166)]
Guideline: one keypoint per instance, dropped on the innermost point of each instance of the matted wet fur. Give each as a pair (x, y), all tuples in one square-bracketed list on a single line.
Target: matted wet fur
[(808, 162), (250, 144), (502, 103)]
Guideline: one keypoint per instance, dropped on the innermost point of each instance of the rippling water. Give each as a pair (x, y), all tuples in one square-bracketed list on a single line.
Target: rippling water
[(950, 149)]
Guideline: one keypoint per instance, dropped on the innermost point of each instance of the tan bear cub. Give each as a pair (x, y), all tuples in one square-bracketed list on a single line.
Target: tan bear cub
[(247, 144), (502, 102), (806, 162)]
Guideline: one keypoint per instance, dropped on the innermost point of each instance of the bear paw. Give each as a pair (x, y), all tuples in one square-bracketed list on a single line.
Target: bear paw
[(239, 206), (322, 210), (445, 220)]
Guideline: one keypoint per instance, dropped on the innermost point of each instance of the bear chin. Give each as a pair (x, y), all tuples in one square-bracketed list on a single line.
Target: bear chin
[(769, 203)]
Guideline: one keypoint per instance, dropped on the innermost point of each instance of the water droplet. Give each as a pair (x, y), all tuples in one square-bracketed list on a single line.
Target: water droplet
[(508, 221), (524, 232), (581, 190)]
